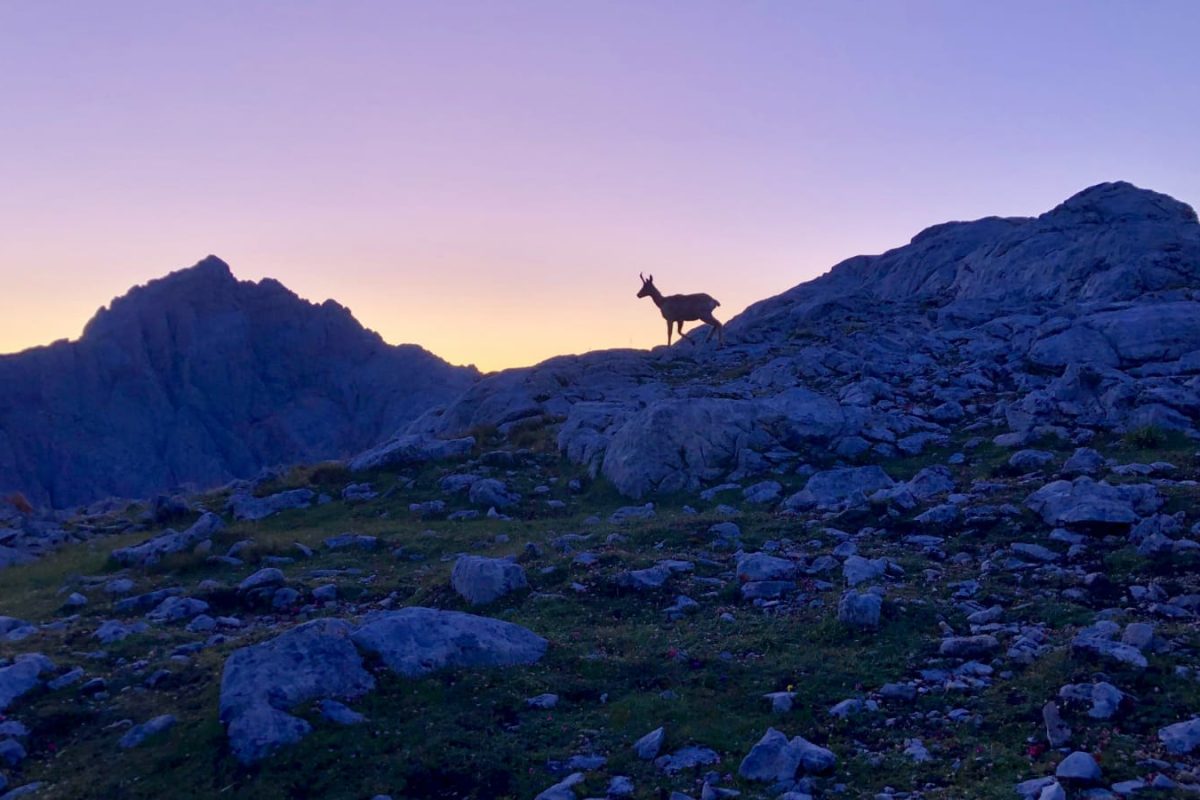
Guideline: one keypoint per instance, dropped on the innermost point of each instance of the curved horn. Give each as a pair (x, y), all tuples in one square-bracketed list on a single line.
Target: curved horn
[(643, 277)]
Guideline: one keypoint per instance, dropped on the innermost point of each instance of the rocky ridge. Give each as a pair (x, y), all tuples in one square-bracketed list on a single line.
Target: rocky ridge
[(198, 378), (1085, 318)]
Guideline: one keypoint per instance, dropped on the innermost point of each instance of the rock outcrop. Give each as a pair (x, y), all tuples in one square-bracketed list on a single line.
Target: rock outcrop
[(320, 659), (1091, 311)]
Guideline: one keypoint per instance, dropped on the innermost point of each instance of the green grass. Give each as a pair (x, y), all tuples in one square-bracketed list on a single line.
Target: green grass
[(613, 654)]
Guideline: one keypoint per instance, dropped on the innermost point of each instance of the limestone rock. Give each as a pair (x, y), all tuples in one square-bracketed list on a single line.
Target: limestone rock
[(409, 449), (482, 580), (21, 677), (416, 641), (764, 567), (247, 507), (1182, 737), (673, 445), (775, 758), (1079, 768), (860, 610), (151, 551), (1084, 503), (140, 733), (262, 682)]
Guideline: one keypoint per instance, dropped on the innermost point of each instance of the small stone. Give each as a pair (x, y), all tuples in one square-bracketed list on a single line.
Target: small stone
[(648, 747), (11, 752), (139, 733), (1138, 634), (1079, 767), (65, 680), (482, 580), (326, 593), (542, 701), (284, 598), (860, 610), (1058, 733), (339, 713), (1053, 791), (269, 576), (969, 646), (620, 786)]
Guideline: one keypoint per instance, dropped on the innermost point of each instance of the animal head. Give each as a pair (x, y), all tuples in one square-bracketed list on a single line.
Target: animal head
[(647, 285)]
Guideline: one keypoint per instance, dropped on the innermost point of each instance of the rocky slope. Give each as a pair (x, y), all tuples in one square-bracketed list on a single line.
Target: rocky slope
[(1091, 311), (913, 538), (484, 620), (200, 378)]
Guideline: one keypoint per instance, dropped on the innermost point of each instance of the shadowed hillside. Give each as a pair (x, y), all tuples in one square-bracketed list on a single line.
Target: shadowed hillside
[(198, 377)]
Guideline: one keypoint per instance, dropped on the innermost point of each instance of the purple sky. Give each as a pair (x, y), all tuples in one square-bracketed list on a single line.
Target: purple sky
[(487, 179)]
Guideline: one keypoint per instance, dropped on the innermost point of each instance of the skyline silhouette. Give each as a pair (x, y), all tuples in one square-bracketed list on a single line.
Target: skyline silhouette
[(487, 180)]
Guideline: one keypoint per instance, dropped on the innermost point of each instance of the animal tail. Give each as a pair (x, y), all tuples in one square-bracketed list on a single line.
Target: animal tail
[(716, 302)]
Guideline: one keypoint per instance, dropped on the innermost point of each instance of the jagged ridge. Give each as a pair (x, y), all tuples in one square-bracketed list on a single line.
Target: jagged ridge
[(199, 377)]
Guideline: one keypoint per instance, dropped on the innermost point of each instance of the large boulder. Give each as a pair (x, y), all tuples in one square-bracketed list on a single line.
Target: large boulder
[(407, 450), (1084, 503), (247, 507), (1150, 331), (21, 677), (585, 434), (764, 567), (261, 730), (1098, 640), (801, 417), (1076, 345), (836, 488), (416, 641), (674, 445), (1182, 737), (481, 580), (262, 682), (151, 551), (492, 492)]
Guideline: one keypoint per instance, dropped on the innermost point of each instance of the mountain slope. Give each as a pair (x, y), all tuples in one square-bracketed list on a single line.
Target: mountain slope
[(199, 377), (1110, 242), (1105, 284)]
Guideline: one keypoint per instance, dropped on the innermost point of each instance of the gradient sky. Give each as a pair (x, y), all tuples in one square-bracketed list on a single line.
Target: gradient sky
[(488, 178)]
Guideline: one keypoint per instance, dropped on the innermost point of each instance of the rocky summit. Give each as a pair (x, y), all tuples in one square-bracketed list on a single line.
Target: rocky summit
[(926, 528), (199, 378)]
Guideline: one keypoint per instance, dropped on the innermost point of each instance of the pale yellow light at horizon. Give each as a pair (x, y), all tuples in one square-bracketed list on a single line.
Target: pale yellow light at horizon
[(494, 322)]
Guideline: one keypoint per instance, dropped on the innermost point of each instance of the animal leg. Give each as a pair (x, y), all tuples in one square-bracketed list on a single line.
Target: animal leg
[(716, 327), (683, 335), (669, 326)]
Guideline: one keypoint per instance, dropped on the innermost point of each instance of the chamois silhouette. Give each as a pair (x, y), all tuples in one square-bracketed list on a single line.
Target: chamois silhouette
[(680, 308)]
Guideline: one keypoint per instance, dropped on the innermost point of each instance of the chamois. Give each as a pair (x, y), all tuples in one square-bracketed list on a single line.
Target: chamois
[(680, 308)]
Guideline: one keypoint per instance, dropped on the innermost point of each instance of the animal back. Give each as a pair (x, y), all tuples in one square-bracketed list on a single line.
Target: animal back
[(688, 306)]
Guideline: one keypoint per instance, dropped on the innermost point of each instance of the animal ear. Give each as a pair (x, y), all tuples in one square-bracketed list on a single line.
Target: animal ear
[(651, 278)]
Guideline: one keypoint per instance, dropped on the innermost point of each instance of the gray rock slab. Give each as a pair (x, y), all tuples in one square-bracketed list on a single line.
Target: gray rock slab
[(262, 682), (416, 641), (481, 580)]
